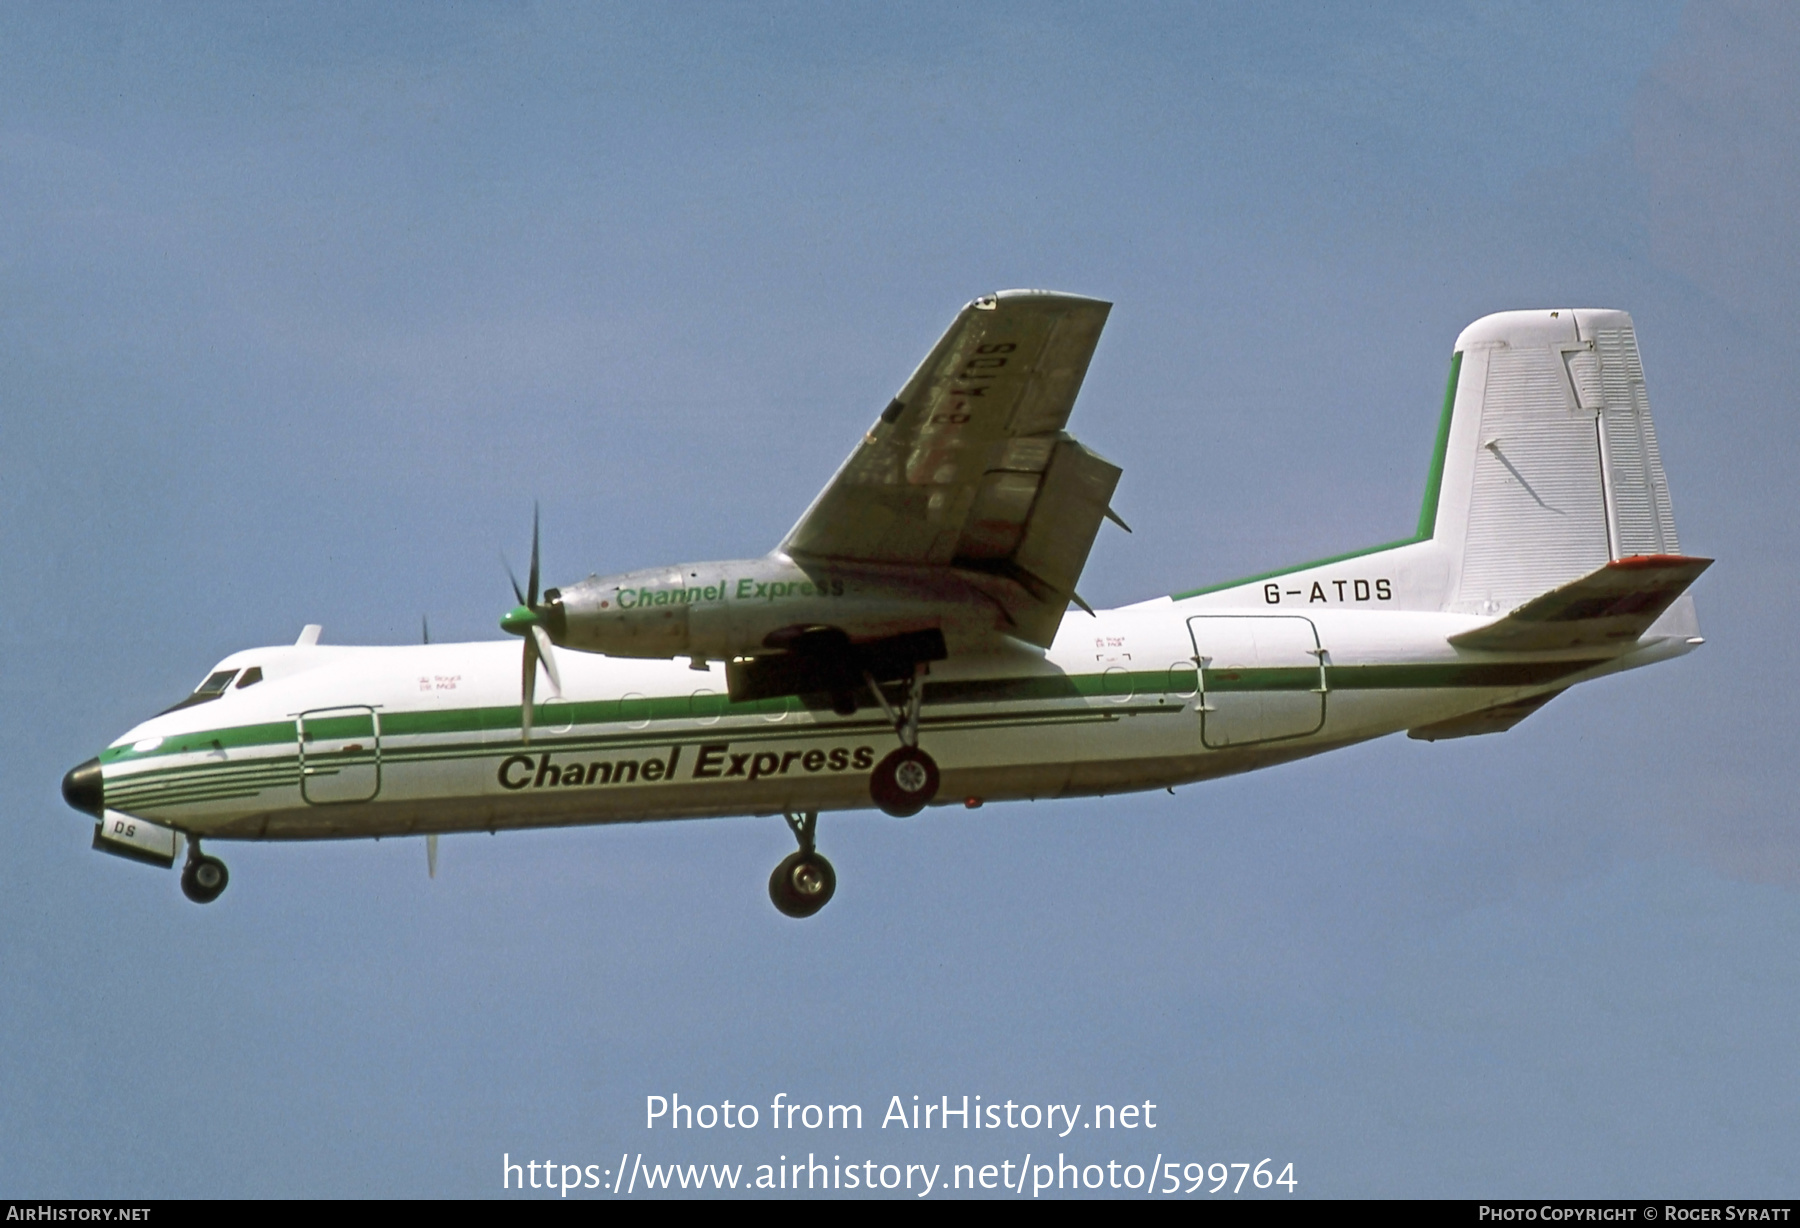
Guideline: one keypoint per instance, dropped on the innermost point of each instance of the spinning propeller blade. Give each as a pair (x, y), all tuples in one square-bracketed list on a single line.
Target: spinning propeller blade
[(531, 584), (528, 685), (541, 638), (525, 620)]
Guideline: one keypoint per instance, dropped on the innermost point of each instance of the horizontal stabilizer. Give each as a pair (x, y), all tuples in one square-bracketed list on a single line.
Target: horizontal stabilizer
[(1497, 719), (1612, 605)]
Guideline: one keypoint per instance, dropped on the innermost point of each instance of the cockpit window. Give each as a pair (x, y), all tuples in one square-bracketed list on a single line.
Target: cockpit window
[(251, 677), (212, 688), (215, 683)]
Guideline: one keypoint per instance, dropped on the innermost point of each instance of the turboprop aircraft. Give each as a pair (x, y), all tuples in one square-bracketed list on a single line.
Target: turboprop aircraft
[(912, 640)]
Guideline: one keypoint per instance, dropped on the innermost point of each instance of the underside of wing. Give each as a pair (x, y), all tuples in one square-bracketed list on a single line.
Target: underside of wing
[(970, 467), (1614, 604)]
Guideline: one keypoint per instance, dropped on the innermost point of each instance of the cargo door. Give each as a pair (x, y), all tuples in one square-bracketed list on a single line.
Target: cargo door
[(1262, 678), (340, 754)]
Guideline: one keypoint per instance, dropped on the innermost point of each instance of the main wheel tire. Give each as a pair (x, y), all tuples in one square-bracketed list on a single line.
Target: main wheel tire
[(204, 879), (905, 782), (802, 884)]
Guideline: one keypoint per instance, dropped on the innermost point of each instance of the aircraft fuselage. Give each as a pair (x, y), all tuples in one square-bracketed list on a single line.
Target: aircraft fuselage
[(352, 741)]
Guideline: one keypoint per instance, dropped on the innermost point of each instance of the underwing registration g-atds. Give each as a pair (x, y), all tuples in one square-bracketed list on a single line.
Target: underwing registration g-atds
[(917, 637)]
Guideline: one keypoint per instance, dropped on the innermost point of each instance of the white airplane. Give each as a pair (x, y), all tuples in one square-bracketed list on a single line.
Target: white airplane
[(911, 640)]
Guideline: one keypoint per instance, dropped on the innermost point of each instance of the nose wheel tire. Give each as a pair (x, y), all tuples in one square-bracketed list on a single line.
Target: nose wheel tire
[(802, 884), (203, 879), (905, 782)]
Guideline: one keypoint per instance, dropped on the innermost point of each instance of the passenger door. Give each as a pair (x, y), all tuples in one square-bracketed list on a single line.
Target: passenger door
[(340, 754), (1262, 678)]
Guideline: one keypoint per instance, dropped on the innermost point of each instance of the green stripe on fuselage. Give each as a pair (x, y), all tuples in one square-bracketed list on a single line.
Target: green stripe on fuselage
[(1005, 693)]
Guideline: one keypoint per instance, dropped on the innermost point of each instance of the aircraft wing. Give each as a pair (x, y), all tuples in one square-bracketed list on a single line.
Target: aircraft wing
[(969, 466)]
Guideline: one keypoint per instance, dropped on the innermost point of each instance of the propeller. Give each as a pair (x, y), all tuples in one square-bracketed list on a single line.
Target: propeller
[(526, 620)]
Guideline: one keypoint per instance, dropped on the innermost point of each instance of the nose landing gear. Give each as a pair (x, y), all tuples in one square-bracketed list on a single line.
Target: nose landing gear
[(804, 881), (203, 878), (905, 782)]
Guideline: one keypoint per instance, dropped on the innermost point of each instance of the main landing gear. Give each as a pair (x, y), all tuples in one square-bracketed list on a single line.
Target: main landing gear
[(804, 881), (906, 781), (203, 878)]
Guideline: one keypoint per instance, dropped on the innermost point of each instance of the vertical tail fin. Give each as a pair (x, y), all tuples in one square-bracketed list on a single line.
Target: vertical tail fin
[(1546, 469), (1550, 465)]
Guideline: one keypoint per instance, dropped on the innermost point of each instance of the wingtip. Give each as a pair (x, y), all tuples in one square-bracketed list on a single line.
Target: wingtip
[(988, 302)]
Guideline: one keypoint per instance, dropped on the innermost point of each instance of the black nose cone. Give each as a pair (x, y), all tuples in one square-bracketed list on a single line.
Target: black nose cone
[(84, 789)]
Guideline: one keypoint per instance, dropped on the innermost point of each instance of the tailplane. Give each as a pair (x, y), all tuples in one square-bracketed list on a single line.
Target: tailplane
[(1612, 605)]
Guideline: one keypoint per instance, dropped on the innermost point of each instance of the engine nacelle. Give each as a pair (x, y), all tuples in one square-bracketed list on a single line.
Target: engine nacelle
[(741, 608)]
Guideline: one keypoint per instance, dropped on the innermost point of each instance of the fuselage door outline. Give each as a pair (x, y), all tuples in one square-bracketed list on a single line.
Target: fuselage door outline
[(340, 754), (1263, 678)]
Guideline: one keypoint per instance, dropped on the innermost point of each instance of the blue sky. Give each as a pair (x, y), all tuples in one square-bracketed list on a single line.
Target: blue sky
[(301, 308)]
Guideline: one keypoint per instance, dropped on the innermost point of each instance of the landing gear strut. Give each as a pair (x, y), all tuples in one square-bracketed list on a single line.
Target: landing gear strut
[(905, 782), (804, 881), (203, 878)]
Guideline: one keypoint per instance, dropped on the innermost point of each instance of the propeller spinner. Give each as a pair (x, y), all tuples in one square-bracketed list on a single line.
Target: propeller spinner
[(528, 620)]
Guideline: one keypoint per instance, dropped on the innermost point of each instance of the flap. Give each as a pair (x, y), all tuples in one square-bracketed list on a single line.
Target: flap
[(1051, 539)]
